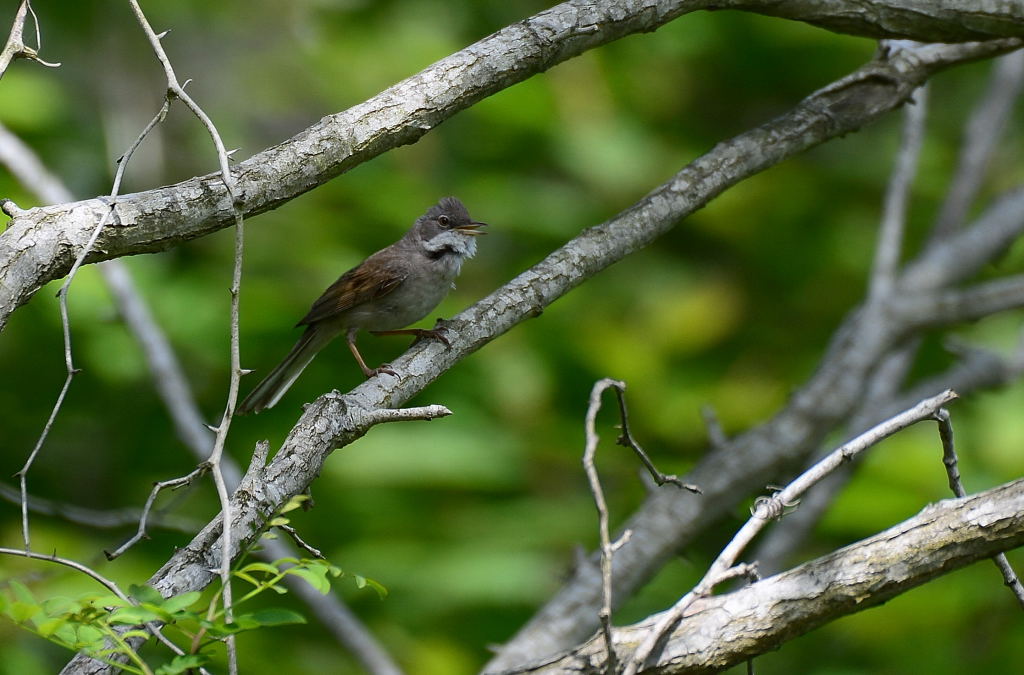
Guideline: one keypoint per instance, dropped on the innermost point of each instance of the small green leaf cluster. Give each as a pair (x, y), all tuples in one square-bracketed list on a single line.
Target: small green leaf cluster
[(95, 623)]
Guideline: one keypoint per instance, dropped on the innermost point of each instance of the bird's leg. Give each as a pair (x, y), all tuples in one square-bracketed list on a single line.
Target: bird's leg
[(350, 338)]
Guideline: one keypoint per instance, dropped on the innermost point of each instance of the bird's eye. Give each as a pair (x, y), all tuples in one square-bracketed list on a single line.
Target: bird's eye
[(443, 220)]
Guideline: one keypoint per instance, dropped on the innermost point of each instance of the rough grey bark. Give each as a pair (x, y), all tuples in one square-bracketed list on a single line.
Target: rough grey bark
[(723, 630), (922, 20)]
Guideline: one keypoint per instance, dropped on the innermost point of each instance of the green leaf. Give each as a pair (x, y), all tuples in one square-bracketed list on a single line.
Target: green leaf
[(315, 577), (286, 560), (21, 612), (158, 610), (294, 503), (67, 636), (260, 567), (181, 663), (106, 600), (241, 623), (60, 605), (278, 521), (276, 617), (134, 615), (87, 637), (21, 592), (47, 628), (363, 582), (144, 593), (179, 602), (145, 635)]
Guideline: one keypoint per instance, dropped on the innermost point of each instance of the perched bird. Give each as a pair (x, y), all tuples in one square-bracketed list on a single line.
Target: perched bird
[(394, 287)]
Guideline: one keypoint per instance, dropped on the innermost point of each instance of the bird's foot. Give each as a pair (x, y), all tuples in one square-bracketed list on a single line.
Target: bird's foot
[(384, 368)]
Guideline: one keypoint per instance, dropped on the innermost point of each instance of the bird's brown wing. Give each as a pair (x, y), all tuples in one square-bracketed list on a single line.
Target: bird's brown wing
[(354, 287)]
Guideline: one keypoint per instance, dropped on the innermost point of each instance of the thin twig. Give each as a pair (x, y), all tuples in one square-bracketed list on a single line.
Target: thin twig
[(716, 434), (300, 542), (949, 460), (84, 569), (158, 487), (178, 91), (626, 439), (62, 296), (894, 211), (772, 507), (607, 549)]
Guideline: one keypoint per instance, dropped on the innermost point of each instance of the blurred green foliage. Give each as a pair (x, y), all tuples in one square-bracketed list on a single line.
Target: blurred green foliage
[(472, 521)]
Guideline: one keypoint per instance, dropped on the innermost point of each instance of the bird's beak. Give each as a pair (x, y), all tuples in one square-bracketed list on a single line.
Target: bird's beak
[(472, 227)]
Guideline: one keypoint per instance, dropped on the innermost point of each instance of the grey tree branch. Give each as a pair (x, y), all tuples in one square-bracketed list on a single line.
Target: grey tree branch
[(897, 195), (981, 138), (41, 244), (103, 519), (724, 630), (951, 462), (15, 48), (922, 20)]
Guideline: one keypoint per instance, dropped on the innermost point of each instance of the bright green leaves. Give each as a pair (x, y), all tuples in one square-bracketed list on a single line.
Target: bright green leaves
[(102, 624)]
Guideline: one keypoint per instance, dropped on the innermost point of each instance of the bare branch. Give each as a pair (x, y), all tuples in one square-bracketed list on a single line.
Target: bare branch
[(607, 549), (960, 255), (968, 304), (103, 519), (922, 20), (300, 542), (772, 508), (723, 630), (176, 90), (16, 47), (949, 460), (894, 212), (974, 369), (626, 439), (981, 137), (158, 487)]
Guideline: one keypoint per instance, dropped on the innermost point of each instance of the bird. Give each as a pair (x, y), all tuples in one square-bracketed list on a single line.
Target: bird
[(396, 286)]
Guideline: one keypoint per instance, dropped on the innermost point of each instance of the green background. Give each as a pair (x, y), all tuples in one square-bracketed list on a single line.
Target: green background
[(473, 521)]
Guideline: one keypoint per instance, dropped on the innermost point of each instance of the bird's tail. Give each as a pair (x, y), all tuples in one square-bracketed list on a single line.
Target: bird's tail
[(273, 387)]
